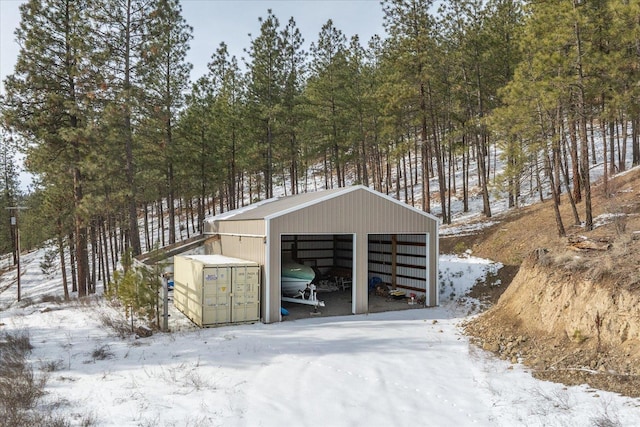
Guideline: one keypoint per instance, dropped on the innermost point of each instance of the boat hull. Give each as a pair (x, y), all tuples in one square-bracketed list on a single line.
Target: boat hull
[(295, 278)]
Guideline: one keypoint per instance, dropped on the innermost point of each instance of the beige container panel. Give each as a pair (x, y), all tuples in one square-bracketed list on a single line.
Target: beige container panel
[(187, 291), (179, 298), (190, 308), (187, 278), (215, 315), (246, 284), (246, 293), (216, 307), (246, 274), (247, 312), (194, 312)]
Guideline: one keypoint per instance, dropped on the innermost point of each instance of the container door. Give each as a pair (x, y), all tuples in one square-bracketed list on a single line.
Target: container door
[(216, 292), (246, 294)]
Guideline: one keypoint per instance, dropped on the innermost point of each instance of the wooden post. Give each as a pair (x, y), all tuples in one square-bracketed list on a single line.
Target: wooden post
[(18, 254), (394, 259), (14, 222)]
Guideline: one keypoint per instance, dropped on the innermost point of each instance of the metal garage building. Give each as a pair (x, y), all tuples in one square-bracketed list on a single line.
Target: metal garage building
[(354, 228)]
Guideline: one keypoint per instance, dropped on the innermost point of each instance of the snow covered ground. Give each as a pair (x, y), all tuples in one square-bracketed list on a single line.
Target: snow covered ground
[(406, 368)]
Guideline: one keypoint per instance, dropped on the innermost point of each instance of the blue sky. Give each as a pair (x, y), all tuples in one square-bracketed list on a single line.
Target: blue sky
[(214, 21)]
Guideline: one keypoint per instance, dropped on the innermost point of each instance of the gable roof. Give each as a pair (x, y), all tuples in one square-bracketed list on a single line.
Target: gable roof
[(278, 206)]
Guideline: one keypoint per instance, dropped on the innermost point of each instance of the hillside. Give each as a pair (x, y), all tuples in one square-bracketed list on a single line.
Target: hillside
[(568, 313)]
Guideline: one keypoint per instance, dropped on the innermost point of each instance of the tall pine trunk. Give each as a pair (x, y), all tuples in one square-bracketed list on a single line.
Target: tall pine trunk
[(426, 189), (582, 123), (130, 173), (63, 267)]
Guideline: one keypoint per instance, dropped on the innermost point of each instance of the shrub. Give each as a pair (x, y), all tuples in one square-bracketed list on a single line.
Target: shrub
[(117, 324), (48, 263), (52, 365), (137, 289), (102, 353), (460, 248)]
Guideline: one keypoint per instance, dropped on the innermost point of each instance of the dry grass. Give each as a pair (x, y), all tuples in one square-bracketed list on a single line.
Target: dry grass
[(102, 353), (520, 232), (115, 324), (21, 389), (56, 299), (113, 320)]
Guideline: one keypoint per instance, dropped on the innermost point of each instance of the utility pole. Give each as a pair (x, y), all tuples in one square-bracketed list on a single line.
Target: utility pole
[(14, 222)]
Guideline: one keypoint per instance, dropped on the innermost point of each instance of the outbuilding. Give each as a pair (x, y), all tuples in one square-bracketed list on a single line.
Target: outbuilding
[(366, 235)]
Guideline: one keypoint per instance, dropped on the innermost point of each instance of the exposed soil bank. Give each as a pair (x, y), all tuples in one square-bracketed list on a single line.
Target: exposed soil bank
[(566, 326)]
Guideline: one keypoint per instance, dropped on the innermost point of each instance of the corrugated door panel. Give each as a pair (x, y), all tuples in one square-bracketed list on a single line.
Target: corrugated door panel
[(306, 254), (246, 293), (315, 244), (322, 263), (411, 260), (411, 238), (412, 272), (414, 283), (413, 250), (216, 292)]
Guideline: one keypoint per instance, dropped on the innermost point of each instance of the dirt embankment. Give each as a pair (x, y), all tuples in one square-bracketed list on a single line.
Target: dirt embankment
[(572, 311), (566, 327)]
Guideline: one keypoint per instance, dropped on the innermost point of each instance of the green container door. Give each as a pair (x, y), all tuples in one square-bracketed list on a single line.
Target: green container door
[(216, 295), (246, 293)]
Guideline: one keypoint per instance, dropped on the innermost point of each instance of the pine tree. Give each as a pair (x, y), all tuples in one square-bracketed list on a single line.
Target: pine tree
[(294, 59), (9, 190), (122, 24), (51, 101), (623, 68), (326, 95), (359, 90), (480, 44), (196, 135), (229, 110), (411, 27), (371, 108), (265, 87), (502, 32), (563, 60), (166, 78)]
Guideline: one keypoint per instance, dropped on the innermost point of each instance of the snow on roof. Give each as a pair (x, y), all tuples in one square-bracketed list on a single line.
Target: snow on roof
[(277, 206)]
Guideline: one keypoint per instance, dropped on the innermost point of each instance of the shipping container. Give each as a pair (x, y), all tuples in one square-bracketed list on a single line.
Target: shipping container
[(215, 289)]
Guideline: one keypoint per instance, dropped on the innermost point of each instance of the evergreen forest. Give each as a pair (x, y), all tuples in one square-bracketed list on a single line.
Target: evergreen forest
[(104, 111)]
